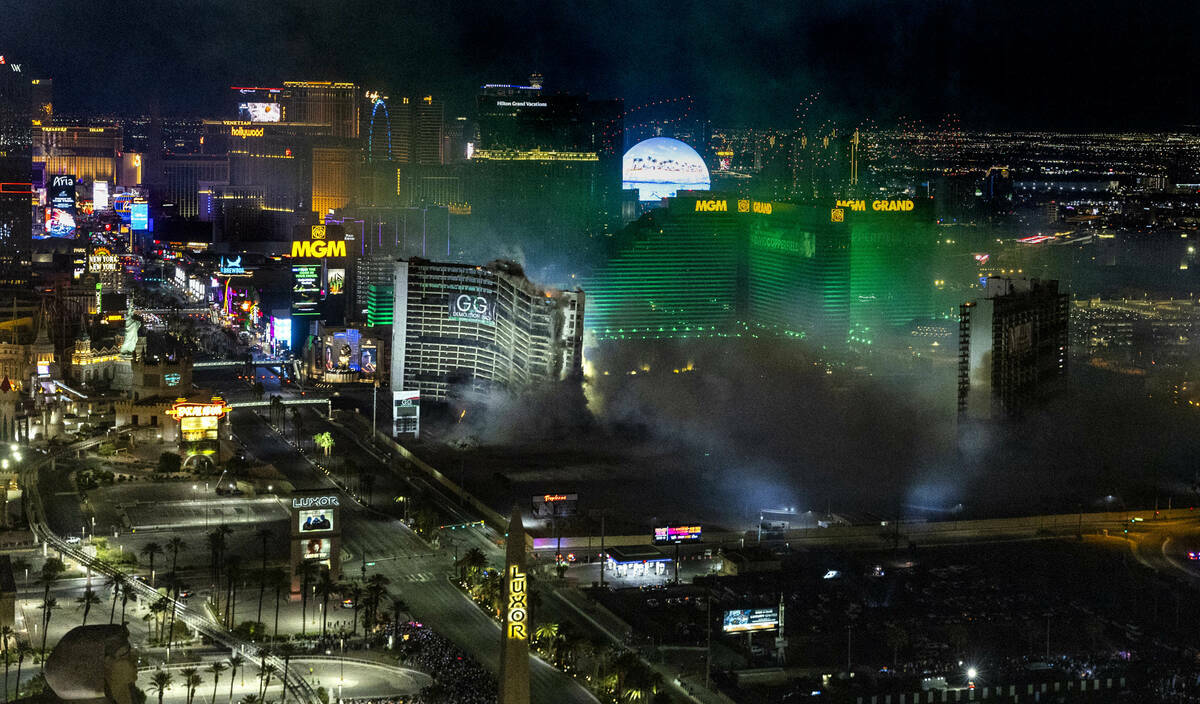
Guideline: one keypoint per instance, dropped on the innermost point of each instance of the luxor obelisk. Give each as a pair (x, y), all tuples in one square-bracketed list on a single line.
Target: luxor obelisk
[(517, 630)]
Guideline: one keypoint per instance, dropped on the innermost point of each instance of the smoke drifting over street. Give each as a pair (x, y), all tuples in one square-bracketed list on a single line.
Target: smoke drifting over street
[(723, 428)]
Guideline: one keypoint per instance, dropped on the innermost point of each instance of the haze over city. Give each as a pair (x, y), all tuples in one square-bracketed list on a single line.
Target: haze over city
[(450, 353)]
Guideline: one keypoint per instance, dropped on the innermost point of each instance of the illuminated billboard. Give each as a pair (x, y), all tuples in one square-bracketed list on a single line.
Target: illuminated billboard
[(259, 112), (658, 168), (306, 289), (139, 216), (315, 521), (370, 358), (472, 308), (555, 505), (99, 195), (324, 241), (744, 620), (60, 208), (101, 260), (317, 548), (670, 535), (406, 412), (337, 282)]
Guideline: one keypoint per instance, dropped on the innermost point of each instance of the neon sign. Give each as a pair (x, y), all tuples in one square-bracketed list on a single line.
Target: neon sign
[(245, 132), (318, 249), (880, 206), (518, 604), (712, 206), (189, 409)]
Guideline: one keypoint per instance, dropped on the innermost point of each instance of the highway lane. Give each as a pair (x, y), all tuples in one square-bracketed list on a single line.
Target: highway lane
[(418, 575)]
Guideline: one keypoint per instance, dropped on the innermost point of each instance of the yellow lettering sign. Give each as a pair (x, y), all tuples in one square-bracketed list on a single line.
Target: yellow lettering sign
[(762, 208), (318, 249), (518, 604), (712, 206), (853, 205), (892, 206), (244, 132)]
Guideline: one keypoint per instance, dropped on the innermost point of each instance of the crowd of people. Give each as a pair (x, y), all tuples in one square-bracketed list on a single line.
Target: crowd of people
[(457, 677)]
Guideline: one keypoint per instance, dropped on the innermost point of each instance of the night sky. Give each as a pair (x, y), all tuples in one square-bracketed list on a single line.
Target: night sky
[(1001, 63)]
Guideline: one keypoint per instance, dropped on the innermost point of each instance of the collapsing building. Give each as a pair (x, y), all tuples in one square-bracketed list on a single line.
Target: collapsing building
[(1012, 348)]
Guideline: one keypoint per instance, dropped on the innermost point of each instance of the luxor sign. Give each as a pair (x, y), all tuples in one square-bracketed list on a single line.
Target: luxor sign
[(314, 501)]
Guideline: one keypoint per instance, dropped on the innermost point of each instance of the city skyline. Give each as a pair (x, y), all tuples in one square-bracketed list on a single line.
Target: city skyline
[(1018, 65)]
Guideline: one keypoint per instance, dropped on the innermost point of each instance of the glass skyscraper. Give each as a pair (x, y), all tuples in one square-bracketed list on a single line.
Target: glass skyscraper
[(16, 174)]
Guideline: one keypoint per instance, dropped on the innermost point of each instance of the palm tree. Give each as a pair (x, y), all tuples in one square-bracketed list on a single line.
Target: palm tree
[(174, 545), (233, 564), (897, 637), (88, 599), (216, 668), (278, 580), (156, 610), (48, 607), (126, 591), (190, 680), (235, 662), (354, 593), (546, 632), (308, 570), (159, 682), (52, 569), (6, 632), (326, 588), (376, 588), (264, 535), (324, 441), (473, 561), (151, 550), (115, 582), (22, 651), (287, 650)]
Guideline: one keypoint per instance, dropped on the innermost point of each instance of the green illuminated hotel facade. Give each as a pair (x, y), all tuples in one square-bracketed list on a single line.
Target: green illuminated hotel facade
[(712, 265)]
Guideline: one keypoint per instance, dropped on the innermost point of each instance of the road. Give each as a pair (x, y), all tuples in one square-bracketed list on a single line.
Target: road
[(418, 573)]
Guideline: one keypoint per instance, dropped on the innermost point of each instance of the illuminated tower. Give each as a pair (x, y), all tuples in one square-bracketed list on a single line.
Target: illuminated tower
[(16, 174), (514, 600)]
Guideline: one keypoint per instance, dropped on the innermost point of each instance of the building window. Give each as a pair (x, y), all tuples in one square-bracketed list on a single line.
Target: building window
[(135, 420)]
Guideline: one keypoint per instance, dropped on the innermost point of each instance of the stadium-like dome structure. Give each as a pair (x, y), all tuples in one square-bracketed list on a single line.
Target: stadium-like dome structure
[(661, 166)]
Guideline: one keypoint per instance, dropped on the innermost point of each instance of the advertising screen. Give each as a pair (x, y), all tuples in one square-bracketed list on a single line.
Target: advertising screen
[(306, 288), (259, 112), (139, 216), (60, 208), (669, 535), (743, 620), (99, 195), (316, 521), (472, 307), (406, 412), (317, 549), (555, 505), (370, 358), (337, 281)]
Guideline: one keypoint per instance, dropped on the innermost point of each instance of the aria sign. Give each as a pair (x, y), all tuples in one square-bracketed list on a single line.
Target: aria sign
[(315, 501), (217, 408)]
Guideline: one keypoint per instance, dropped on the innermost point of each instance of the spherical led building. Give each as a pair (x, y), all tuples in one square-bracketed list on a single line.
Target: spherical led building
[(659, 167)]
